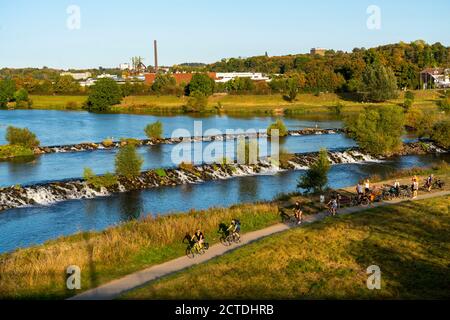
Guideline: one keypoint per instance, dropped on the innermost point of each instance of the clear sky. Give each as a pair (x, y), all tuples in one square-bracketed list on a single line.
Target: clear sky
[(35, 33)]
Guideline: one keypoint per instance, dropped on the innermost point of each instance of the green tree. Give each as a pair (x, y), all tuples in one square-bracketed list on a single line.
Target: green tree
[(67, 85), (164, 83), (201, 83), (378, 130), (7, 90), (22, 137), (378, 83), (104, 94), (128, 162), (280, 126), (154, 130), (316, 177), (21, 95), (292, 89), (441, 133)]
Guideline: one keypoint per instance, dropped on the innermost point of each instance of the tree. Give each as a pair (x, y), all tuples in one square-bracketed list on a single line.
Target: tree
[(292, 85), (280, 126), (378, 130), (22, 137), (128, 162), (163, 83), (378, 83), (21, 95), (316, 177), (7, 90), (201, 83), (104, 93), (154, 130), (441, 133), (67, 85)]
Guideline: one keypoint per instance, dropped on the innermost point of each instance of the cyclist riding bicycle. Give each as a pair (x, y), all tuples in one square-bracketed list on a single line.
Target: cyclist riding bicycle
[(298, 213), (199, 239), (235, 228)]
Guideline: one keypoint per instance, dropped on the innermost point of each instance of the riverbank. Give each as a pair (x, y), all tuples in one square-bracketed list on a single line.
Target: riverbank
[(58, 191), (328, 259), (305, 104), (39, 272)]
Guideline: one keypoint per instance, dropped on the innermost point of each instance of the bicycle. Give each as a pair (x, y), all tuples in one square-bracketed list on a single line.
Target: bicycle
[(194, 249), (228, 240)]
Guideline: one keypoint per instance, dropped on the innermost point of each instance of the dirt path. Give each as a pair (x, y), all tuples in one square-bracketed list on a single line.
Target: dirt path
[(115, 288)]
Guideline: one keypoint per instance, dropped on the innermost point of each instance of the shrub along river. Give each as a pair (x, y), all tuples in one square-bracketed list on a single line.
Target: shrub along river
[(23, 227)]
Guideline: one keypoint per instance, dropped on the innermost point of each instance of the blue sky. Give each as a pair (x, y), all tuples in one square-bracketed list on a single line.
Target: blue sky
[(35, 33)]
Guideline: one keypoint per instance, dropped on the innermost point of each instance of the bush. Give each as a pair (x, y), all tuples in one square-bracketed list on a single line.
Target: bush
[(71, 105), (186, 166), (103, 94), (107, 143), (444, 105), (129, 141), (161, 173), (316, 177), (280, 126), (154, 130), (197, 102), (441, 133), (407, 104), (378, 131), (98, 182), (22, 137), (336, 109), (248, 151), (11, 151), (128, 162)]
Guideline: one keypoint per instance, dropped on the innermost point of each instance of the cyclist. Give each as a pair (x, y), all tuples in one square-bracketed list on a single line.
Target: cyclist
[(235, 228), (298, 213), (367, 186), (333, 205), (397, 188), (429, 182), (199, 239), (359, 191)]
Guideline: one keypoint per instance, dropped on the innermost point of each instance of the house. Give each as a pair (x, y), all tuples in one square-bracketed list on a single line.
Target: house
[(318, 51), (435, 78), (222, 77), (125, 66), (77, 76)]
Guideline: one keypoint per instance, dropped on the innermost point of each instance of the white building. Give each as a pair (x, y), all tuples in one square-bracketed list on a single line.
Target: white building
[(439, 77), (77, 76), (107, 75), (222, 77), (125, 66)]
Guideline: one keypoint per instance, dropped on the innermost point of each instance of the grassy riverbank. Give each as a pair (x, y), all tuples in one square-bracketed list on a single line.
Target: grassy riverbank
[(236, 104), (410, 242), (39, 272)]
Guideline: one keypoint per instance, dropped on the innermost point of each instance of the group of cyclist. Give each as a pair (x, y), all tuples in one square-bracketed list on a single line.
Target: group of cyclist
[(198, 239)]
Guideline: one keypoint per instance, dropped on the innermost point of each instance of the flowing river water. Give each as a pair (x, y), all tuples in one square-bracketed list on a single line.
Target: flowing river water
[(28, 226)]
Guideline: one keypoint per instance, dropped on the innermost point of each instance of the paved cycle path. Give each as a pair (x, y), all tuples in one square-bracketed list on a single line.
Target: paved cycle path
[(117, 287)]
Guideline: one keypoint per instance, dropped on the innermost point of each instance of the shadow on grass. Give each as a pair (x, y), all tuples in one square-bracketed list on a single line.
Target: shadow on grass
[(409, 247)]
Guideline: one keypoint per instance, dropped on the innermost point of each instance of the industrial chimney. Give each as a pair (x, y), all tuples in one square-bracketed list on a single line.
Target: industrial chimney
[(156, 55)]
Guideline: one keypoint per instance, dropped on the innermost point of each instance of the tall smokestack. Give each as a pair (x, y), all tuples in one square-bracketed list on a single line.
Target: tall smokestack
[(156, 55)]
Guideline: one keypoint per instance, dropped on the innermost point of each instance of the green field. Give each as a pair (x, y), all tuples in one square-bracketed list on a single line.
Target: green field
[(236, 104), (410, 243)]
